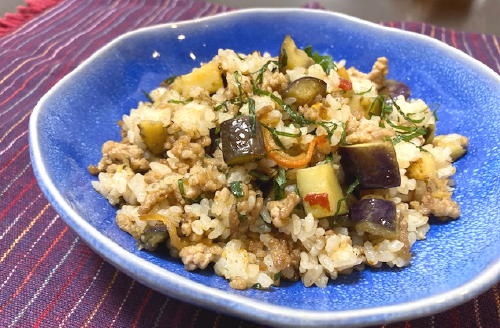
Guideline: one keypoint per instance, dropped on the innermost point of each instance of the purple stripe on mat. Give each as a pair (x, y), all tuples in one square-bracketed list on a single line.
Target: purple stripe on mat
[(48, 277)]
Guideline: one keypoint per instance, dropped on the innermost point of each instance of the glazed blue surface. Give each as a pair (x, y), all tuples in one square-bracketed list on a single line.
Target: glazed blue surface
[(458, 260)]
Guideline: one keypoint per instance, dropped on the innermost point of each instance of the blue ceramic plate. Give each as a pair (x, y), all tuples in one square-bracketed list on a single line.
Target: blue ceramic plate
[(457, 261)]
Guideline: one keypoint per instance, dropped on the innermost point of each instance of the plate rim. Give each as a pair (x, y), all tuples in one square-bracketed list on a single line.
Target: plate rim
[(182, 288)]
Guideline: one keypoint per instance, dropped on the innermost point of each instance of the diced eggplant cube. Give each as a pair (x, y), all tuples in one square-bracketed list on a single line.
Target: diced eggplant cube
[(152, 237), (374, 164), (394, 89), (306, 90), (241, 139), (320, 191), (154, 135), (291, 57), (214, 134), (375, 216)]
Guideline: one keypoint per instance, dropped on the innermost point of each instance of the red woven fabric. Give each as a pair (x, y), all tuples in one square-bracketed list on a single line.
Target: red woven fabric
[(48, 276), (11, 22)]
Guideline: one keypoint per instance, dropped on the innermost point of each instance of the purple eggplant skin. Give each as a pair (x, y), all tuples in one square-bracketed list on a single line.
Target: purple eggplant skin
[(375, 216), (152, 237), (374, 164), (241, 139), (214, 134), (306, 90), (394, 89)]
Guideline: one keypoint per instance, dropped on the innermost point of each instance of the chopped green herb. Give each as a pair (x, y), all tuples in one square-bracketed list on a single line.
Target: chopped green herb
[(236, 189), (280, 181), (329, 158), (349, 191), (434, 111), (251, 113), (277, 140), (406, 117), (237, 77), (257, 286), (283, 133), (363, 92), (183, 102), (180, 184), (409, 136), (147, 95), (259, 176), (260, 73), (169, 80), (296, 116), (326, 62), (222, 105), (277, 276), (343, 136), (242, 217)]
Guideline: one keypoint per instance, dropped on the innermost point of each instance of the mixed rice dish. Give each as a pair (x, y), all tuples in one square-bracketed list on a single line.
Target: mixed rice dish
[(280, 168)]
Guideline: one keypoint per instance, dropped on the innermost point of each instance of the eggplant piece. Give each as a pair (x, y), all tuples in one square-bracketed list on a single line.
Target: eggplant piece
[(456, 143), (291, 56), (241, 139), (207, 77), (154, 135), (374, 164), (430, 134), (214, 134), (422, 169), (394, 89), (306, 90), (152, 237), (375, 216), (320, 191)]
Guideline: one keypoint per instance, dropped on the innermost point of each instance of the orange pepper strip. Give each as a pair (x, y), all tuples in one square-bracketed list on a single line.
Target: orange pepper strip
[(171, 228), (282, 158)]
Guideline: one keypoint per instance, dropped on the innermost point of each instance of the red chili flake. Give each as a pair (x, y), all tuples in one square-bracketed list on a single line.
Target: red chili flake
[(345, 84), (318, 199), (321, 139)]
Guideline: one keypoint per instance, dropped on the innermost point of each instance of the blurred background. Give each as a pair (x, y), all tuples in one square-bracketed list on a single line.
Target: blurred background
[(464, 15)]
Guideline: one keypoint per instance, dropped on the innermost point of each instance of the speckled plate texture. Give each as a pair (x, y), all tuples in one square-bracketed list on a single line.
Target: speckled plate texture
[(458, 260)]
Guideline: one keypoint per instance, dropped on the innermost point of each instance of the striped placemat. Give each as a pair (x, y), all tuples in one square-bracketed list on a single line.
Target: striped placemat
[(48, 276)]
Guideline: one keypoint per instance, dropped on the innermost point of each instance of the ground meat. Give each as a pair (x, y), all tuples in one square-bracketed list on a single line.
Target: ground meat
[(379, 71), (376, 75), (280, 253), (199, 256), (280, 210), (114, 153), (224, 208), (368, 131), (250, 204), (441, 207), (291, 272), (269, 116), (127, 223), (274, 81), (402, 212), (256, 247), (187, 151), (315, 112), (204, 179)]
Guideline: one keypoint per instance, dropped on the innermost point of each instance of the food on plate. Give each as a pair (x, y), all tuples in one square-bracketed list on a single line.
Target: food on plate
[(294, 167)]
